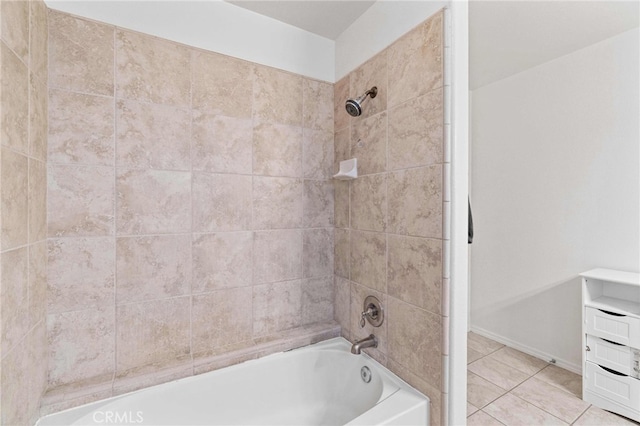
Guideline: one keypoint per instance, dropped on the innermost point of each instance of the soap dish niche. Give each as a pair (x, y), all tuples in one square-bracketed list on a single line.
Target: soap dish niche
[(348, 170)]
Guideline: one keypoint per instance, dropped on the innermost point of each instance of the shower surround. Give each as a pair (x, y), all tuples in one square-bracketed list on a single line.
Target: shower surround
[(190, 214), (190, 211), (23, 189), (391, 223)]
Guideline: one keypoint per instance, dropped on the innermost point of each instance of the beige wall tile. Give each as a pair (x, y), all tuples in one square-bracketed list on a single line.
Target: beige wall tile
[(36, 346), (15, 377), (371, 73), (341, 147), (317, 300), (222, 260), (80, 201), (369, 143), (369, 203), (369, 260), (221, 318), (38, 119), (153, 201), (15, 100), (317, 154), (342, 252), (39, 35), (14, 199), (415, 202), (222, 84), (415, 61), (81, 346), (415, 271), (81, 128), (318, 105), (277, 150), (153, 136), (152, 335), (80, 273), (15, 27), (341, 90), (152, 69), (277, 96), (14, 290), (415, 340), (417, 131), (317, 252), (434, 394), (221, 202), (358, 294), (80, 54), (222, 144), (318, 203), (277, 255), (152, 267), (277, 307), (341, 197), (342, 303), (37, 282), (277, 202)]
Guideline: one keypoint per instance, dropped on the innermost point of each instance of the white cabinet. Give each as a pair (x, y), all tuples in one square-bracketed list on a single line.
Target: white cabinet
[(611, 341)]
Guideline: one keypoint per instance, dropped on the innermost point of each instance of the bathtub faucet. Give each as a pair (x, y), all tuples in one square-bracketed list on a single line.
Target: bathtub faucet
[(367, 342)]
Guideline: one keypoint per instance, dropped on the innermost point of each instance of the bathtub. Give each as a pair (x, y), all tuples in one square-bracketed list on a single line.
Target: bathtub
[(321, 384)]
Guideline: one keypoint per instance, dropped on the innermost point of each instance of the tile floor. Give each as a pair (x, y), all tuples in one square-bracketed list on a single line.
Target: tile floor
[(508, 387)]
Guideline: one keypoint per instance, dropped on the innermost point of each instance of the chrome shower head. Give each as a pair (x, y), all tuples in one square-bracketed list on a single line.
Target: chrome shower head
[(354, 106)]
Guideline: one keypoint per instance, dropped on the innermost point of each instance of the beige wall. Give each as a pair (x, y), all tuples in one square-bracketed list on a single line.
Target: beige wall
[(23, 57), (190, 210), (389, 239)]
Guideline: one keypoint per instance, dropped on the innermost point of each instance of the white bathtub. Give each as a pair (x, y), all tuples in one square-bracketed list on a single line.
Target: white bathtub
[(319, 384)]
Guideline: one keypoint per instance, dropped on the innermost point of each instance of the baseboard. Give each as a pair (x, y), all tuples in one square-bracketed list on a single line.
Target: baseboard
[(574, 368)]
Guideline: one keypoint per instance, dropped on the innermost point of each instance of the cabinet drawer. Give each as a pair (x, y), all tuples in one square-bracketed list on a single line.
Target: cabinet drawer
[(621, 329), (624, 390), (620, 358)]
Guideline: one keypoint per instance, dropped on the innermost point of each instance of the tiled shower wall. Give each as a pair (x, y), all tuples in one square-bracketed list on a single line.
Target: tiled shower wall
[(390, 236), (23, 184), (190, 211)]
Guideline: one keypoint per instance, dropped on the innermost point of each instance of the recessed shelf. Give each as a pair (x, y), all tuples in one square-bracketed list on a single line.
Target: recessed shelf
[(618, 306)]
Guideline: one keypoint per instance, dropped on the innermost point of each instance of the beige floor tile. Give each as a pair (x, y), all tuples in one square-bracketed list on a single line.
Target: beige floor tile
[(561, 378), (551, 399), (482, 344), (519, 360), (480, 418), (595, 416), (473, 355), (471, 409), (498, 373), (513, 411), (481, 392)]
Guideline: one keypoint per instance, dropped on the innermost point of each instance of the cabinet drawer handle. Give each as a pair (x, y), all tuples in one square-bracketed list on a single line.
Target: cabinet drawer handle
[(613, 343), (612, 371), (615, 314)]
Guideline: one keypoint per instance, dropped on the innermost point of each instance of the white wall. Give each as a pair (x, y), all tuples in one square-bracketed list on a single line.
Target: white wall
[(555, 190), (220, 27), (382, 24)]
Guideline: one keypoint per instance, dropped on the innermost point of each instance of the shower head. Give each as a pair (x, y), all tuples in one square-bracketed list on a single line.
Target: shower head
[(354, 106)]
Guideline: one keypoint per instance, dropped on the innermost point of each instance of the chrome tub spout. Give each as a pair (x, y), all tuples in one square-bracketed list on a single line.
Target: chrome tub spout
[(367, 342)]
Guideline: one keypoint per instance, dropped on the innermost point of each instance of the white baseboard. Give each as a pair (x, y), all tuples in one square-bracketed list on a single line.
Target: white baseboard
[(574, 368)]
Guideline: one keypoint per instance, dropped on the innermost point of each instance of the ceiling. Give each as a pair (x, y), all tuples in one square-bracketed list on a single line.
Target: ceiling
[(506, 37), (325, 18)]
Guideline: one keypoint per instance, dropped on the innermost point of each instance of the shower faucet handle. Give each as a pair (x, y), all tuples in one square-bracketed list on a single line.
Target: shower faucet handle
[(372, 312)]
